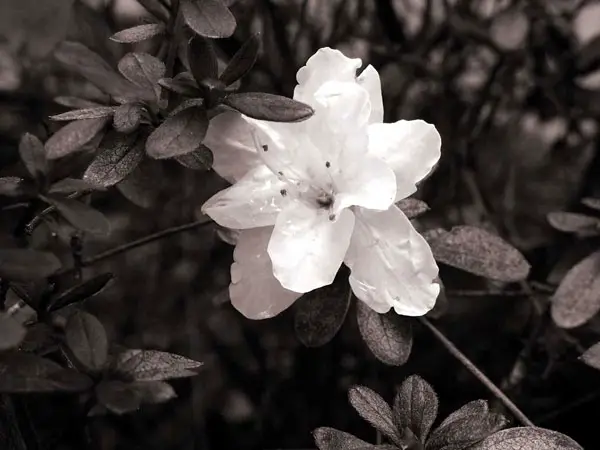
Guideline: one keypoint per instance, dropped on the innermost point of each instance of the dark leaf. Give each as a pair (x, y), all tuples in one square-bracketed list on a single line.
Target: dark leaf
[(319, 314), (153, 365), (178, 135), (143, 70), (588, 58), (81, 216), (201, 159), (466, 426), (593, 203), (154, 391), (388, 336), (180, 86), (577, 298), (202, 59), (27, 265), (530, 438), (332, 439), (12, 186), (374, 410), (75, 102), (80, 292), (415, 407), (138, 33), (119, 155), (118, 397), (24, 372), (140, 187), (592, 356), (70, 185), (412, 207), (12, 332), (127, 117), (86, 337), (274, 108), (73, 137), (40, 338), (156, 8), (242, 61), (33, 155), (187, 103), (208, 18), (479, 252), (87, 113), (580, 224)]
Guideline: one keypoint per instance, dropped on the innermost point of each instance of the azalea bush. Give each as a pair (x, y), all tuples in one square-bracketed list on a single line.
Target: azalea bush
[(229, 224)]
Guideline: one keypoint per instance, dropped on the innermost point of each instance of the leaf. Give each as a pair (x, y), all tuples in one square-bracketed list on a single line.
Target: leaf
[(86, 113), (138, 33), (530, 438), (12, 186), (75, 102), (388, 336), (69, 186), (200, 159), (119, 155), (180, 86), (243, 60), (81, 216), (319, 314), (202, 59), (466, 426), (12, 332), (143, 70), (588, 58), (140, 187), (580, 224), (154, 365), (154, 391), (80, 292), (23, 264), (593, 203), (118, 397), (375, 410), (86, 337), (156, 8), (415, 407), (412, 207), (332, 439), (187, 103), (481, 253), (33, 155), (73, 136), (274, 108), (127, 117), (178, 135), (577, 298), (208, 18), (25, 372)]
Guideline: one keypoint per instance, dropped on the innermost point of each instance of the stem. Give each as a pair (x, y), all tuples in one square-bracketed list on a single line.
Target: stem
[(454, 351)]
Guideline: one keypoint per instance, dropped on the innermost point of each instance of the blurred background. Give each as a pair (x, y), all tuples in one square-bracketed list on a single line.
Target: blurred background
[(514, 89)]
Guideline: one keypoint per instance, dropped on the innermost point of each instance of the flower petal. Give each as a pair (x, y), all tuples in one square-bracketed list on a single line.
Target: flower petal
[(391, 263), (230, 138), (370, 81), (254, 291), (410, 147), (254, 201), (307, 248), (325, 65)]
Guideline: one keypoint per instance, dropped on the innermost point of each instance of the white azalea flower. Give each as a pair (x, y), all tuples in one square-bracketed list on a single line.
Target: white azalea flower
[(312, 195)]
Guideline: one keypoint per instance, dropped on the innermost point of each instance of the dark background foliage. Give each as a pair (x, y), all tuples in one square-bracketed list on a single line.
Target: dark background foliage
[(513, 87)]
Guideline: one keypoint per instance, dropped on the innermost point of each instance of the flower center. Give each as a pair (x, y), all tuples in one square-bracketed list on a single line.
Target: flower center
[(324, 200)]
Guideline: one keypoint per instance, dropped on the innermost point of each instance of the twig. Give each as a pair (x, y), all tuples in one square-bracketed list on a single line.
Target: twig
[(454, 351)]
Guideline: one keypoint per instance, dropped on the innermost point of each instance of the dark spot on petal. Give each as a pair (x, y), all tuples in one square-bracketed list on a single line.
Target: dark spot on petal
[(327, 164), (280, 173), (332, 217), (265, 148), (283, 192)]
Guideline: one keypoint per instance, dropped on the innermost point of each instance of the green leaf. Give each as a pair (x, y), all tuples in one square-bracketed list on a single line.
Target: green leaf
[(33, 155), (119, 155), (178, 135), (208, 18), (388, 336), (412, 207), (200, 159), (202, 59), (374, 410), (479, 252), (81, 216), (73, 136), (138, 33), (12, 332), (86, 337), (415, 407), (24, 372), (579, 224), (332, 439), (140, 187), (319, 314), (86, 113), (577, 298), (274, 108), (70, 185), (243, 60), (12, 186), (530, 438), (26, 265), (143, 70), (80, 292), (127, 117), (154, 365)]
